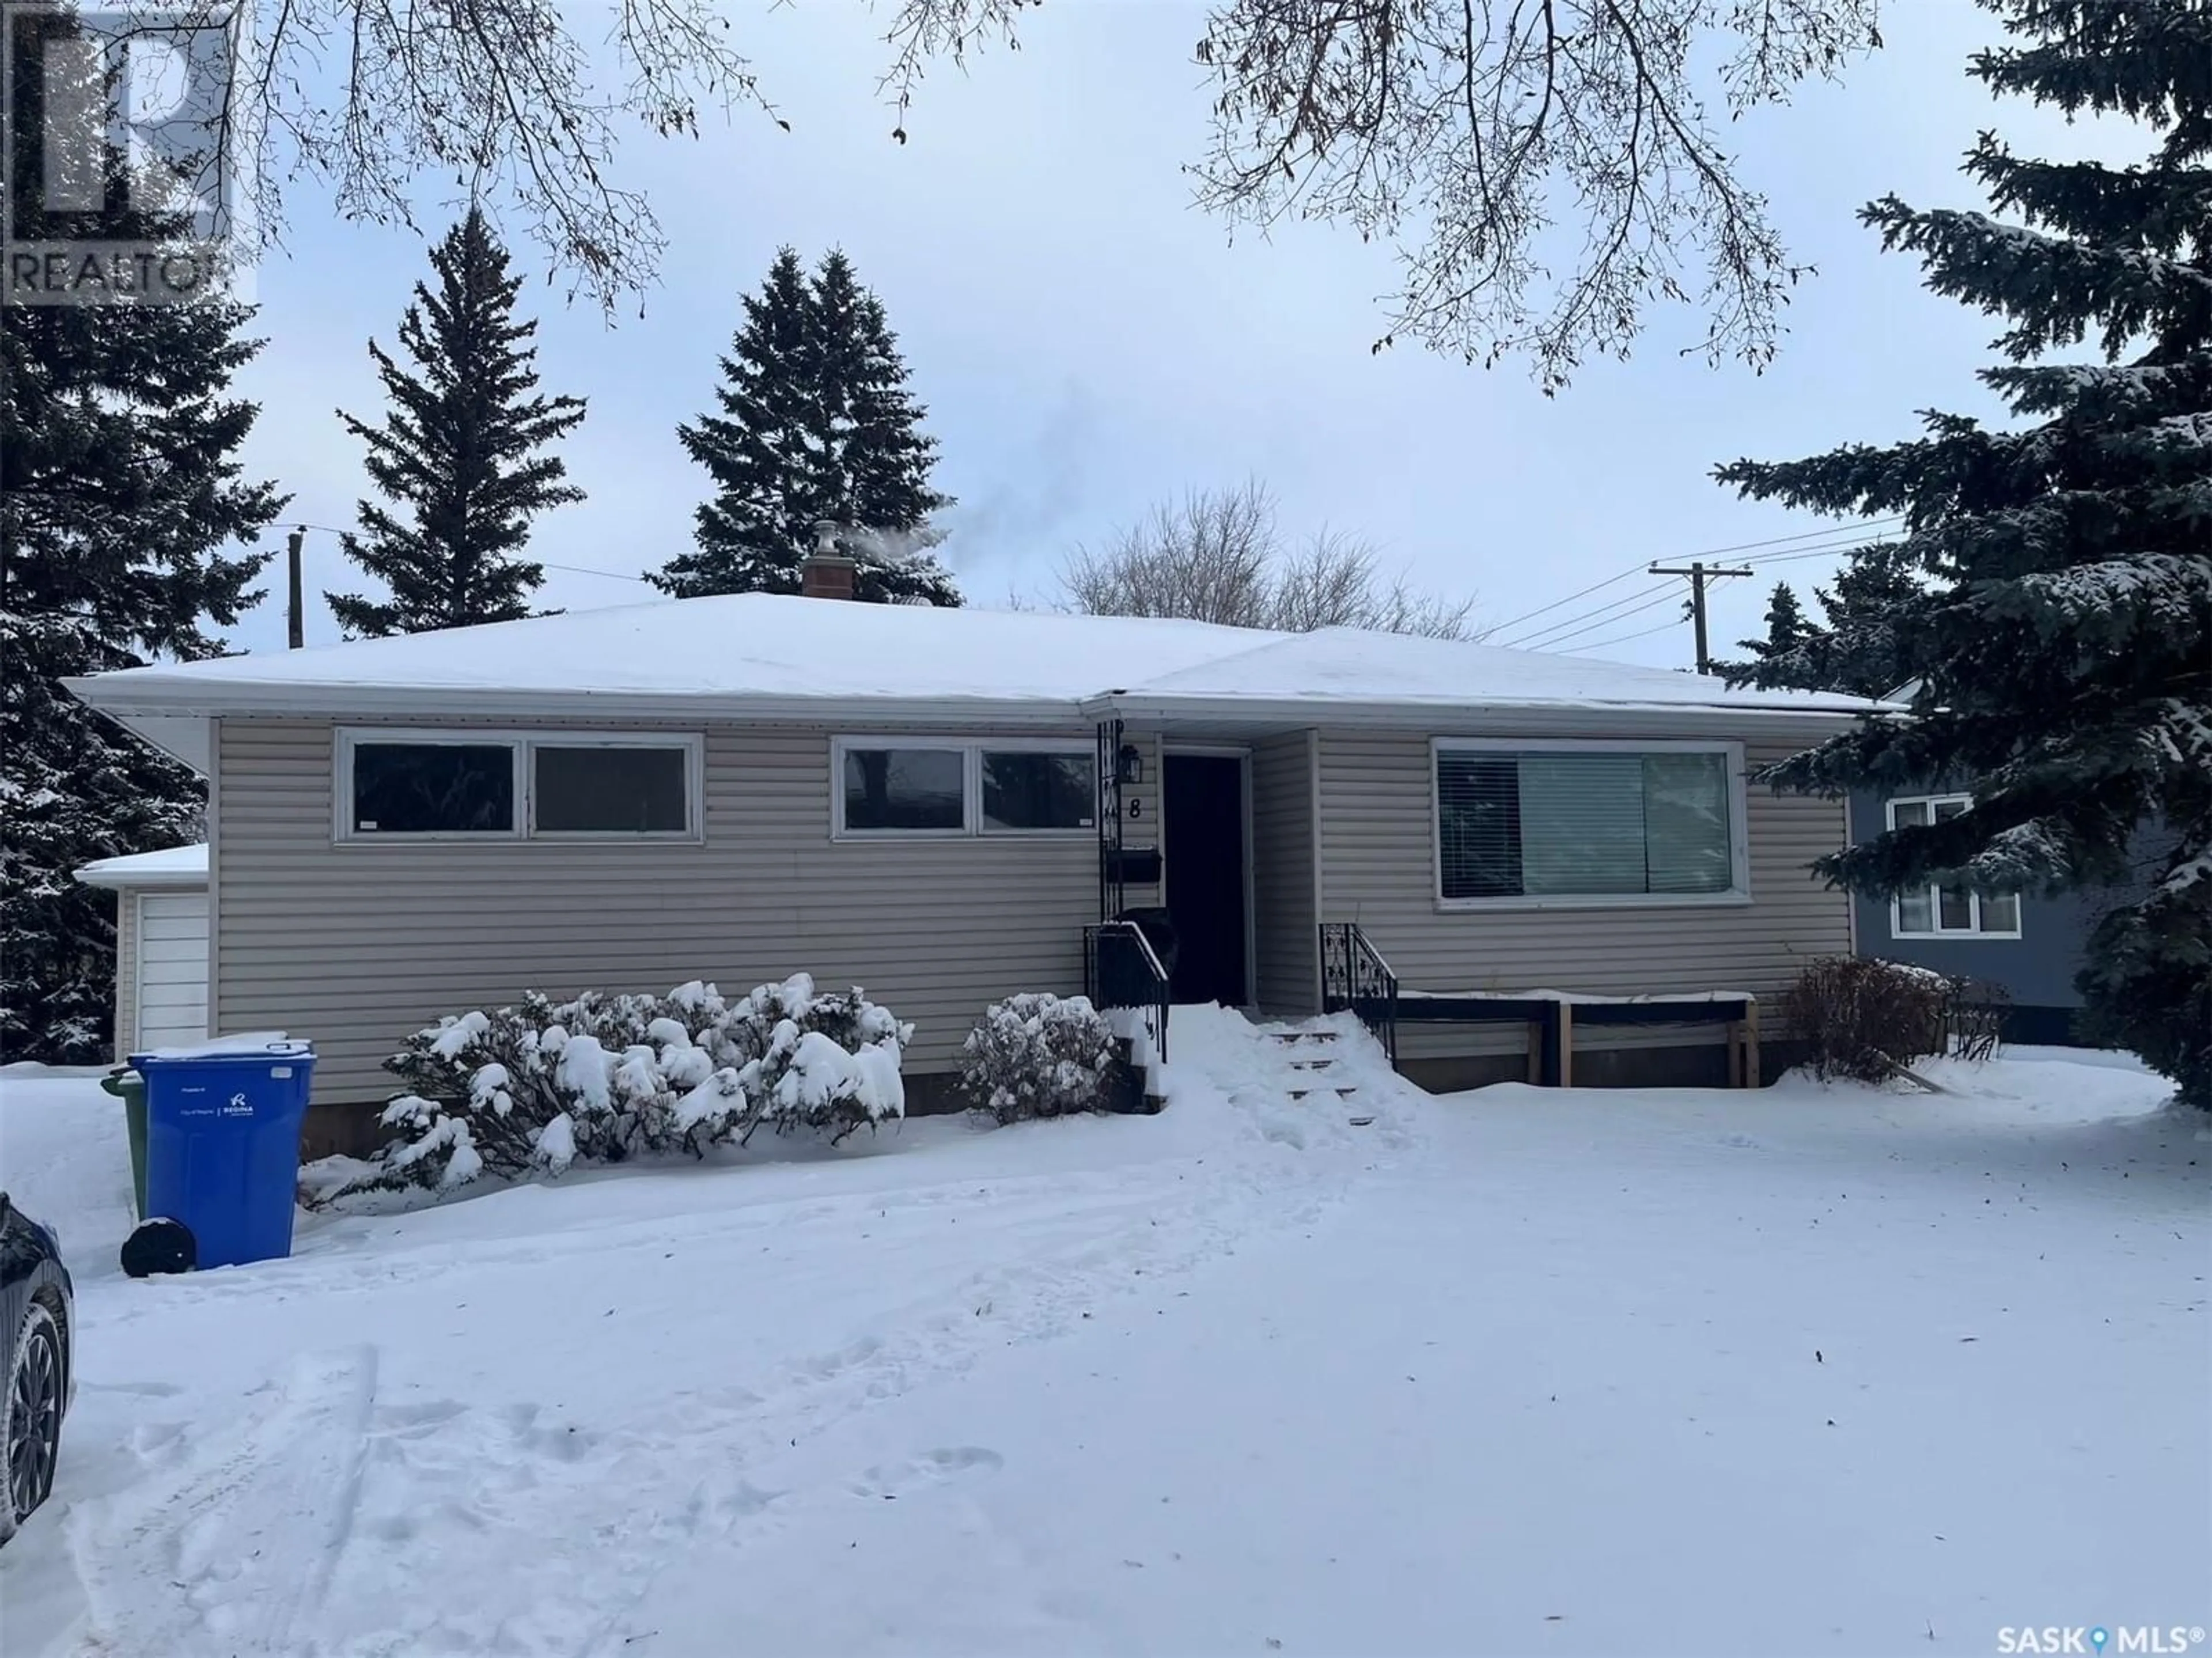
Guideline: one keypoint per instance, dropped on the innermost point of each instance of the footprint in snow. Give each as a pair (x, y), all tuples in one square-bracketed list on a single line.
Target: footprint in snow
[(889, 1481)]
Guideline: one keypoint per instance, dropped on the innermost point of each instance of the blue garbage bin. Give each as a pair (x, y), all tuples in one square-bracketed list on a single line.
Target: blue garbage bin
[(222, 1144)]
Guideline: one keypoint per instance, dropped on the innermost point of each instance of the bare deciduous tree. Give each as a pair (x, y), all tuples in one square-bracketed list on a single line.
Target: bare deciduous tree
[(1217, 555), (1546, 169)]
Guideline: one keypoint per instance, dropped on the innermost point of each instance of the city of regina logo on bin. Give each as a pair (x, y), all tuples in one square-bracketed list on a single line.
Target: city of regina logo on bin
[(238, 1106)]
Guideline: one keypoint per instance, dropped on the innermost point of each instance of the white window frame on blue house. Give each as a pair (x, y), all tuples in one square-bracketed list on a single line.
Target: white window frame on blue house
[(1934, 890)]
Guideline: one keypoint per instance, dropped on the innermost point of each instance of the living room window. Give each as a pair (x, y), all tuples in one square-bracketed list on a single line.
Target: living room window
[(1528, 824), (1946, 912)]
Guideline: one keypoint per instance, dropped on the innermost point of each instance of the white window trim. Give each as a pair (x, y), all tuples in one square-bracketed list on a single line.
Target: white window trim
[(971, 750), (1739, 889), (1897, 927), (520, 745)]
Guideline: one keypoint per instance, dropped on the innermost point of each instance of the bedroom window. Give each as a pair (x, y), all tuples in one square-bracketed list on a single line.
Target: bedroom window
[(1039, 789), (403, 785), (610, 788), (433, 787), (1522, 825), (905, 789), (1946, 912), (897, 786)]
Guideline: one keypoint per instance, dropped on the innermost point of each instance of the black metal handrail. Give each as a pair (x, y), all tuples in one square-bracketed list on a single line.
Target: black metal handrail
[(1354, 975), (1121, 970)]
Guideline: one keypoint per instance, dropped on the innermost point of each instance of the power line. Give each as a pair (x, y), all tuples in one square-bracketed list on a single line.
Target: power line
[(1536, 639), (572, 569), (1633, 569), (1666, 596), (1862, 533), (1622, 639), (578, 569)]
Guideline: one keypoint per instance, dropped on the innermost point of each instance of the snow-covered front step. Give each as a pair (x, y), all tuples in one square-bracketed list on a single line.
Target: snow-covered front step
[(1291, 1038), (1321, 1064)]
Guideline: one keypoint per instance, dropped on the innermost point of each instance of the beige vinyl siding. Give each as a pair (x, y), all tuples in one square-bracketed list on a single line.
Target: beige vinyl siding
[(126, 972), (1282, 873), (355, 946), (1377, 869)]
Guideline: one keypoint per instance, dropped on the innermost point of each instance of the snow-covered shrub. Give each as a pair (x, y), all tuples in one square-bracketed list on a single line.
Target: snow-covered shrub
[(1862, 1018), (534, 1088), (1040, 1056)]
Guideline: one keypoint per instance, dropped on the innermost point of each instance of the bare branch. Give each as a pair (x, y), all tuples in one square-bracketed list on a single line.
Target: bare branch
[(1217, 557)]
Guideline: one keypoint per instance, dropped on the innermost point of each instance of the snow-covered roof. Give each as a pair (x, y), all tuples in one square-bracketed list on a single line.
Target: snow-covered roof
[(768, 656), (172, 866)]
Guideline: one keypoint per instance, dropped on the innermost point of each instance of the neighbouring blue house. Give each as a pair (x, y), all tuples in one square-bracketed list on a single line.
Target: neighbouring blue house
[(2030, 947)]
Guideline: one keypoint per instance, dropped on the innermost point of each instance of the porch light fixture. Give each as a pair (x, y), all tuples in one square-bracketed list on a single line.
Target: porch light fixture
[(1129, 764)]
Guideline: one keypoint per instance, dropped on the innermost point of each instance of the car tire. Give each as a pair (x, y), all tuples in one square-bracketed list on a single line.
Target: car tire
[(31, 1418)]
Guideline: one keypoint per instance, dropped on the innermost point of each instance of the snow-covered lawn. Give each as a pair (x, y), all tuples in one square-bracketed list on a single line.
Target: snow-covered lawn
[(1803, 1371)]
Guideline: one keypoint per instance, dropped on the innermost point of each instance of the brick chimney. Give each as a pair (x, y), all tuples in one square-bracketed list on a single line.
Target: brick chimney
[(825, 573)]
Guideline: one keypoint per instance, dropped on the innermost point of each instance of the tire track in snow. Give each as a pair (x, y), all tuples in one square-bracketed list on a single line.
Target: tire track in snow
[(449, 1526), (246, 1531)]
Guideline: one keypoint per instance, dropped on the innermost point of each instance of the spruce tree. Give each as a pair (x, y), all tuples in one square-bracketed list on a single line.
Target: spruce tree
[(817, 423), (119, 493), (1787, 626), (1854, 648), (459, 453), (2055, 576)]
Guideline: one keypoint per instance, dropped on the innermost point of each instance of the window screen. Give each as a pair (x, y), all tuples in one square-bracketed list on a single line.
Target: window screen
[(905, 788), (1031, 790), (434, 788), (1594, 824), (611, 790)]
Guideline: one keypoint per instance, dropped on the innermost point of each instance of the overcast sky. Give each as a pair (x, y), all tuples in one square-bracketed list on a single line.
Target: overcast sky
[(1087, 342)]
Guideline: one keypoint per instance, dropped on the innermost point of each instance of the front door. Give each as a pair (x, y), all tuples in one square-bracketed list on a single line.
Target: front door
[(1202, 810)]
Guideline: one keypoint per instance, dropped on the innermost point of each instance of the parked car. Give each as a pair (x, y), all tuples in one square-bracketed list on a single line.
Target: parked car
[(38, 1318)]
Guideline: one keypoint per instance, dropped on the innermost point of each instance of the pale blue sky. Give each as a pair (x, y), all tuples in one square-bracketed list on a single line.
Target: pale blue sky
[(1087, 342)]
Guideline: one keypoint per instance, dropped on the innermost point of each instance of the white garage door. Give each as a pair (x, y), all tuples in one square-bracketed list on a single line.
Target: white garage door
[(172, 969)]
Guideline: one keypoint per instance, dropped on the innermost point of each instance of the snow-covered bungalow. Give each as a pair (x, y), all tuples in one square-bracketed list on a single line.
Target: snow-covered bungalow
[(944, 806)]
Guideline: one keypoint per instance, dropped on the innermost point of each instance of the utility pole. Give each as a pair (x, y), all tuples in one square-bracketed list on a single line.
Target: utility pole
[(1699, 572), (295, 615)]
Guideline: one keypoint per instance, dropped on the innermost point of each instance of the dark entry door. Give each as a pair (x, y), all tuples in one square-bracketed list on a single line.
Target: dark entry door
[(1203, 812)]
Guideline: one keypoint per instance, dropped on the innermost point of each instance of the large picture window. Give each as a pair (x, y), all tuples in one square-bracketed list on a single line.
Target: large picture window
[(892, 786), (403, 784), (1946, 912), (1518, 823)]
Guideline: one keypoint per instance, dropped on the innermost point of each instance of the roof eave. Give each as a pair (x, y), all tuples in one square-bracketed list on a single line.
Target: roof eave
[(1431, 714), (164, 881), (135, 697)]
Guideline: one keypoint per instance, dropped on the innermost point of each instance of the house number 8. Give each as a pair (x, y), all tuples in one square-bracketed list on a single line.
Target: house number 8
[(1136, 809)]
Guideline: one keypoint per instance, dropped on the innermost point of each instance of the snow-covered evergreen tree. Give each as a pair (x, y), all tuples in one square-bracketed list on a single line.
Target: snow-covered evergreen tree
[(2059, 570), (1787, 626), (816, 423), (1854, 646), (119, 493), (460, 453)]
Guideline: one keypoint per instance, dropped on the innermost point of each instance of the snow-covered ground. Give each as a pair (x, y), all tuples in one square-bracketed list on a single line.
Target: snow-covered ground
[(1669, 1371)]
